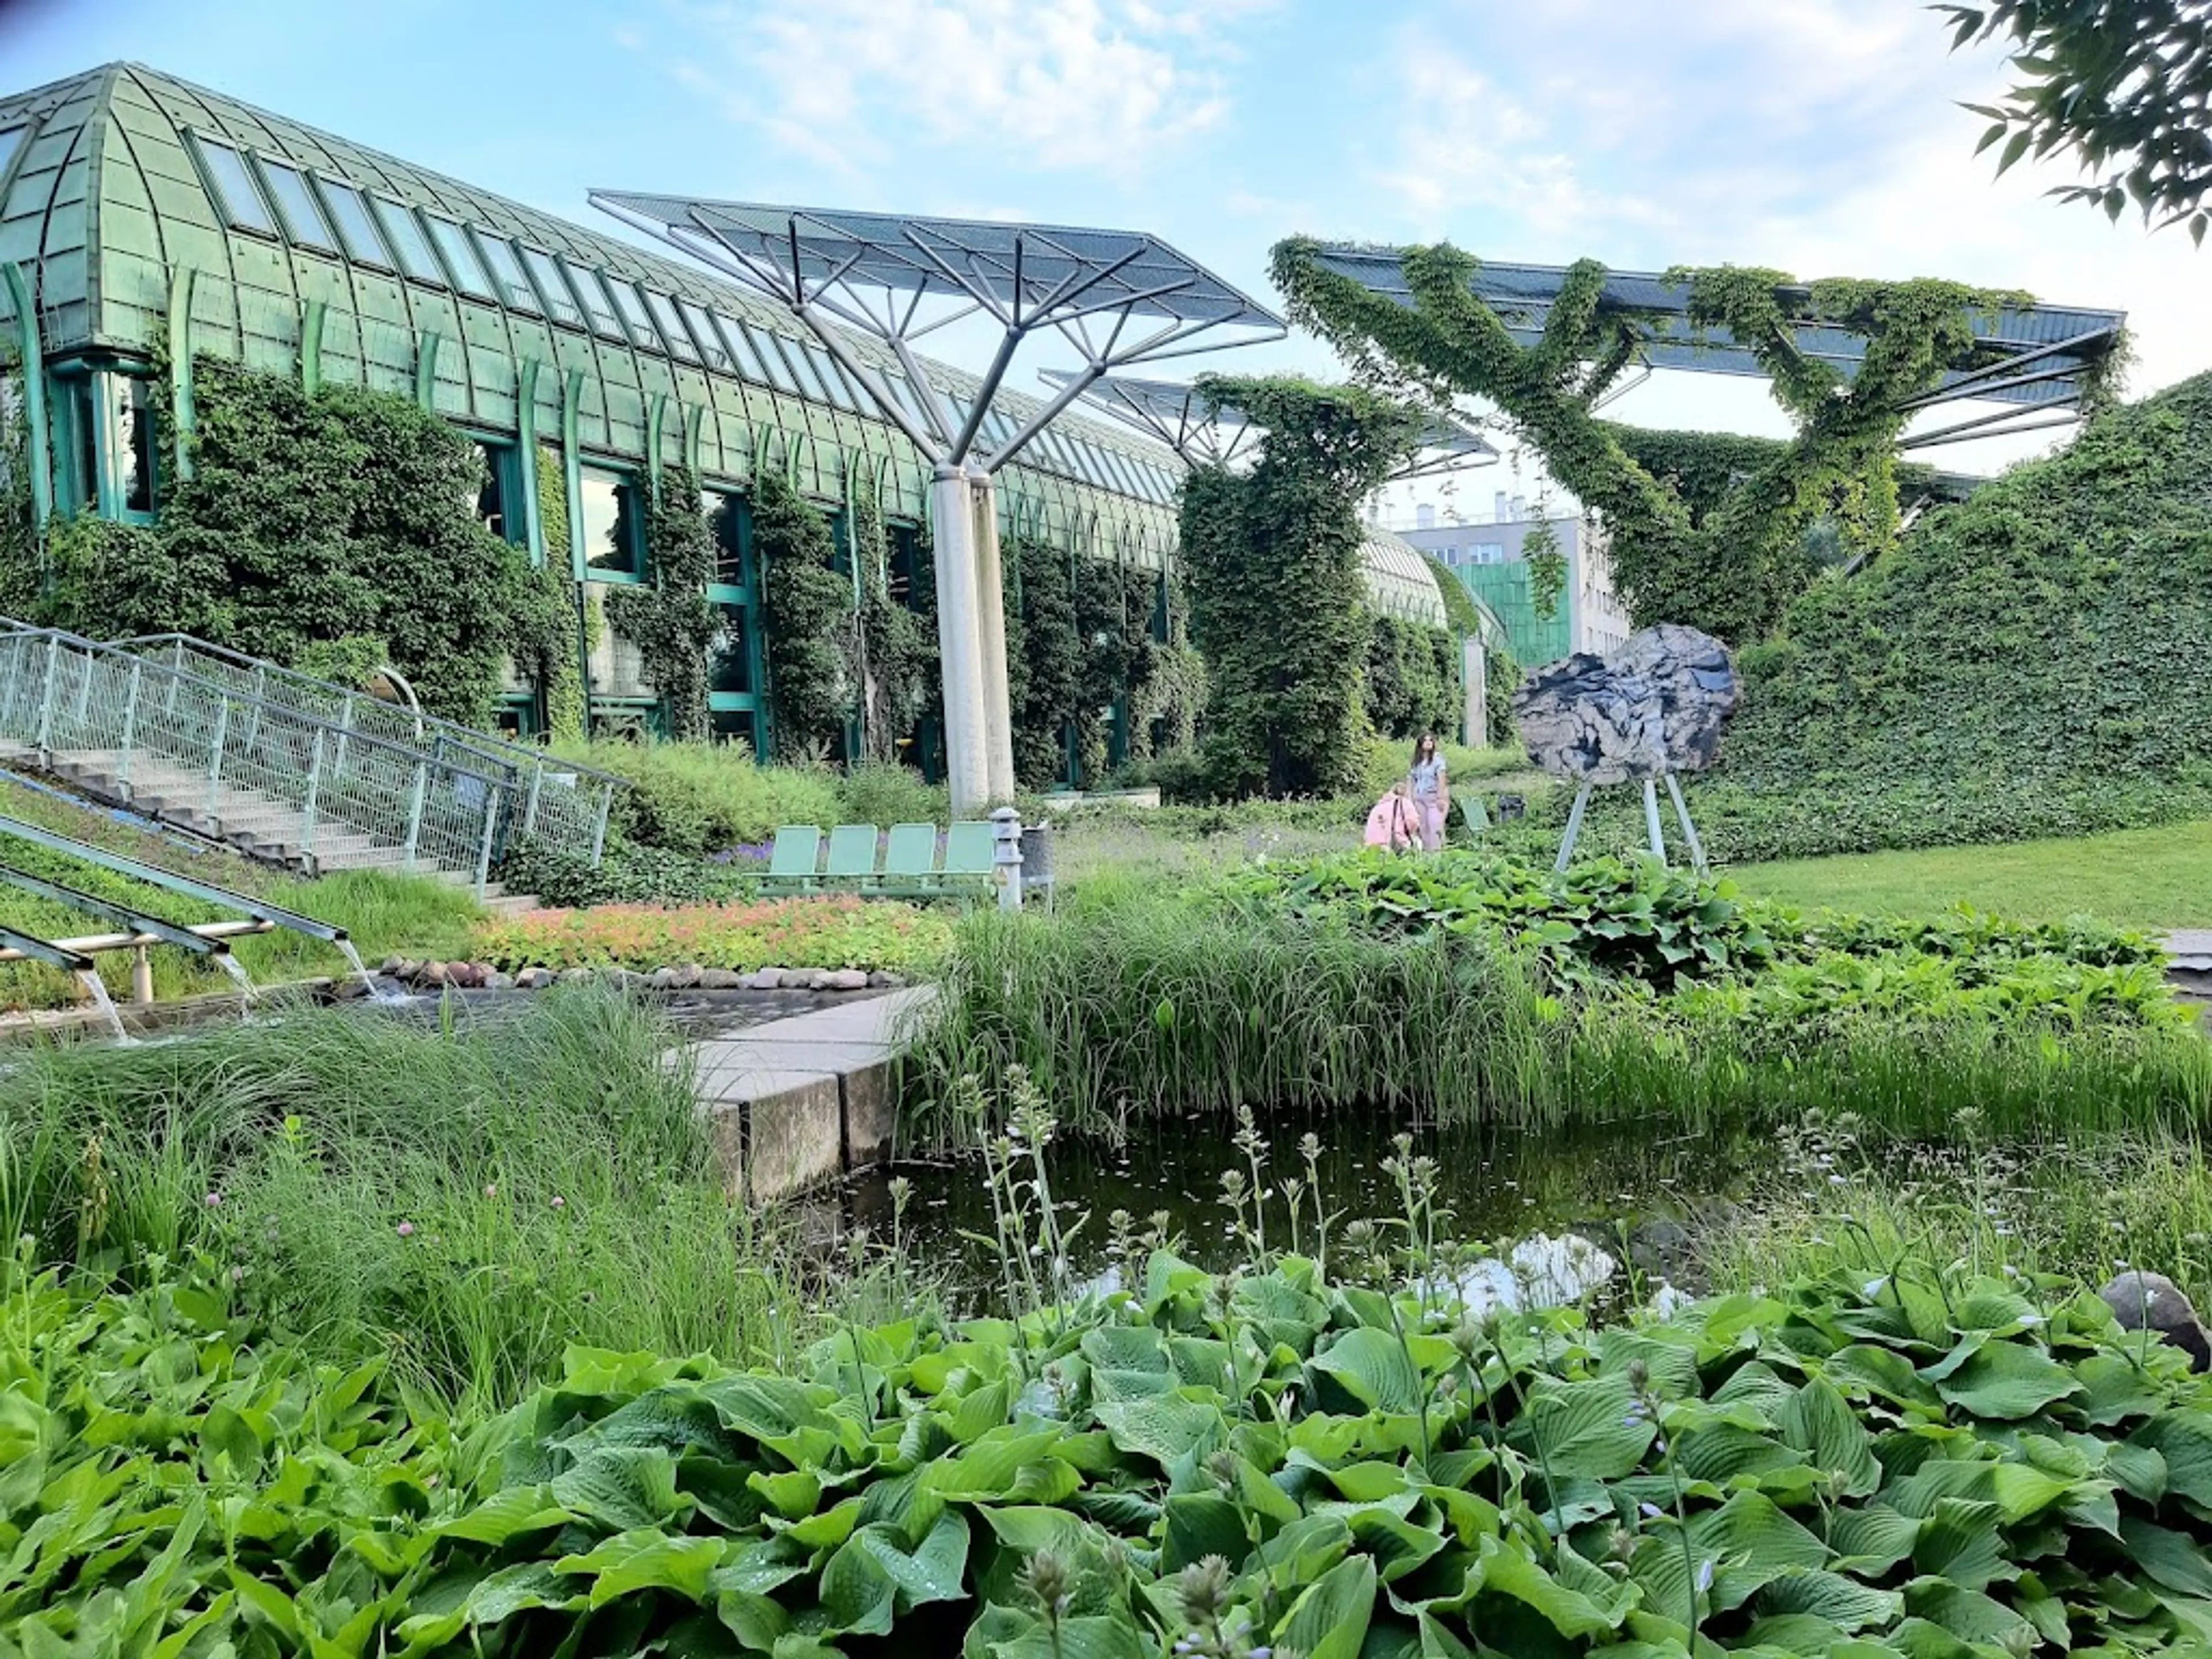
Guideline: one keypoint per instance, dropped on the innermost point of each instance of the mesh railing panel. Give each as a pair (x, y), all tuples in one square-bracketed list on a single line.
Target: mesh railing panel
[(205, 746)]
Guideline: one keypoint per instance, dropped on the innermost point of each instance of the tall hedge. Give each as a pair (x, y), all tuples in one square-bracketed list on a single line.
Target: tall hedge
[(2042, 648)]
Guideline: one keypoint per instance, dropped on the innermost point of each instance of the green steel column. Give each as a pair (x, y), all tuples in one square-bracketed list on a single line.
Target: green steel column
[(694, 422), (525, 443), (572, 484), (180, 364), (30, 358), (656, 417), (310, 346), (426, 368)]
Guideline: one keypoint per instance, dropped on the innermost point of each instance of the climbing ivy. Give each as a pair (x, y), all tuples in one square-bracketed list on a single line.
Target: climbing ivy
[(898, 648), (1547, 566), (1734, 567), (1277, 605), (807, 610), (669, 619), (1413, 678)]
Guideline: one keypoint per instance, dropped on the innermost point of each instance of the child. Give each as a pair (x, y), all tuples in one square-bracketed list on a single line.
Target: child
[(1396, 822)]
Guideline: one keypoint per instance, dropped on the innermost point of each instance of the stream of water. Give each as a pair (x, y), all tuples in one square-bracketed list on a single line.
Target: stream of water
[(98, 993)]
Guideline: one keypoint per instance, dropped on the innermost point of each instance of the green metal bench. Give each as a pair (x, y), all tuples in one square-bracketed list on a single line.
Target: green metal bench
[(911, 866)]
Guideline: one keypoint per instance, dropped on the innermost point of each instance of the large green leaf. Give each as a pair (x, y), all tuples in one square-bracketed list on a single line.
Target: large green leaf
[(1163, 1429), (933, 1572), (1961, 1542), (1844, 1602), (620, 1488), (2184, 1440), (2175, 1560), (1819, 1422), (1330, 1620), (857, 1596), (646, 1559), (1595, 1608), (1371, 1366), (1589, 1430), (2006, 1381)]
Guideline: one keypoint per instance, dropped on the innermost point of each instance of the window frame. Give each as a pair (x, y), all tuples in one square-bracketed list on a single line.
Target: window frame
[(644, 332), (390, 211), (744, 355), (586, 282), (671, 323), (270, 168), (204, 145), (552, 292), (515, 292), (626, 486), (330, 191), (704, 335)]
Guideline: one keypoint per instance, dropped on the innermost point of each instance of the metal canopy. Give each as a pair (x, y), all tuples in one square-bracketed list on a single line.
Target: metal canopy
[(2043, 351), (1176, 414), (1116, 296)]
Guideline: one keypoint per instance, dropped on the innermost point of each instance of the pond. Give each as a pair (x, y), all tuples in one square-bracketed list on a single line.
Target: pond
[(1640, 1191)]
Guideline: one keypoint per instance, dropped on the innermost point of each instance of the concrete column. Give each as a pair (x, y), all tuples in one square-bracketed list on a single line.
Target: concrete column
[(959, 644), (991, 614), (1475, 717)]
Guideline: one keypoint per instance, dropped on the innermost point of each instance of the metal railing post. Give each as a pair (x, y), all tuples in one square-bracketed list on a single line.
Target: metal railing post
[(415, 810), (600, 829), (129, 729), (530, 812), (47, 705), (315, 791), (260, 689), (483, 843), (214, 752), (345, 731)]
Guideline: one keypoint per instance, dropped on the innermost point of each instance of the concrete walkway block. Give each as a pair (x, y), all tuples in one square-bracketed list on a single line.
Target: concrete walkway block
[(795, 1138)]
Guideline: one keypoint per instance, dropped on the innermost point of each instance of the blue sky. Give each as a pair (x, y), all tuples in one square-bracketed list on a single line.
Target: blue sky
[(1822, 137)]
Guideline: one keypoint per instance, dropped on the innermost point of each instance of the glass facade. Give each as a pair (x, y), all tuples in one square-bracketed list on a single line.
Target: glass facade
[(406, 238), (614, 540), (130, 440), (729, 655), (233, 187), (355, 227)]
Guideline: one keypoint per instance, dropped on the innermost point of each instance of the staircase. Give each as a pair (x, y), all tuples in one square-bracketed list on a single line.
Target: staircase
[(287, 769)]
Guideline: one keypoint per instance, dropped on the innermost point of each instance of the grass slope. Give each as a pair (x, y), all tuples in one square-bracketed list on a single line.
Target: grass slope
[(2149, 879)]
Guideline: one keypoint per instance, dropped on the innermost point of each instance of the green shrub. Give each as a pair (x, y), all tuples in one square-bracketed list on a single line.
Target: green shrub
[(626, 874), (705, 798), (882, 792), (828, 931)]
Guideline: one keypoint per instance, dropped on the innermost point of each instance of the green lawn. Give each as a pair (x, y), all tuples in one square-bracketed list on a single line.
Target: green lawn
[(2149, 879)]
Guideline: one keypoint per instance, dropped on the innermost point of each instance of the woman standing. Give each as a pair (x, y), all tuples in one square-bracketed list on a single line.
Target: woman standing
[(1431, 790)]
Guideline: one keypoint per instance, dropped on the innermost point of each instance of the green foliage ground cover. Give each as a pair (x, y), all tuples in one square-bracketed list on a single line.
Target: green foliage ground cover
[(1273, 1460), (844, 931), (1475, 990)]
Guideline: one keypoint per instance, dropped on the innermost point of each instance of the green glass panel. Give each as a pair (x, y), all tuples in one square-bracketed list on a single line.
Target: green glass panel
[(354, 226), (240, 202), (671, 327), (405, 237), (302, 217), (558, 305), (499, 259)]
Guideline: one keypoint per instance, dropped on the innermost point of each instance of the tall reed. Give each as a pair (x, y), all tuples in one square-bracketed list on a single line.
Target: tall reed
[(471, 1199)]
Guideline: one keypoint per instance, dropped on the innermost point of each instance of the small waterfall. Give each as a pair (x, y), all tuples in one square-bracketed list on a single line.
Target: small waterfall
[(367, 979), (231, 966), (90, 980)]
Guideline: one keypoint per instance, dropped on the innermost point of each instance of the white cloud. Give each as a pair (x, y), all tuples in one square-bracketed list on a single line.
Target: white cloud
[(1037, 84)]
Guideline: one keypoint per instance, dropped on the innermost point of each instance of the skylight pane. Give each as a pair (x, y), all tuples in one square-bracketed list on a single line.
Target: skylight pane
[(634, 312), (833, 383), (461, 258), (406, 238), (597, 305), (771, 354), (241, 203), (702, 331), (671, 327), (803, 367), (741, 348), (550, 287), (355, 227), (11, 140), (297, 204), (505, 274)]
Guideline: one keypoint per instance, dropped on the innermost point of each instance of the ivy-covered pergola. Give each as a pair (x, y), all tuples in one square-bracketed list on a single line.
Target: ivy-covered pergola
[(1851, 362)]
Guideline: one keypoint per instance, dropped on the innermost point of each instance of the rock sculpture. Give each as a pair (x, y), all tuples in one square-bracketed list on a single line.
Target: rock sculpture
[(1652, 707)]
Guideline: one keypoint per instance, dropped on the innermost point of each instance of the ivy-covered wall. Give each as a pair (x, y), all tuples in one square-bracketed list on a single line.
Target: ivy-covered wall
[(309, 519), (2035, 660)]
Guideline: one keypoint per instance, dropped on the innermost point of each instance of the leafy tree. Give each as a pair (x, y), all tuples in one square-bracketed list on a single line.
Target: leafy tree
[(670, 621), (2124, 85)]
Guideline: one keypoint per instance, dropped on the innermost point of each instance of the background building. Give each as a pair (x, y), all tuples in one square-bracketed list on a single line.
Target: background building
[(1490, 557), (145, 220)]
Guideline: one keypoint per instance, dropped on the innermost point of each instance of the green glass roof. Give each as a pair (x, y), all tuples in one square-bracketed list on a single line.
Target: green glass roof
[(115, 178)]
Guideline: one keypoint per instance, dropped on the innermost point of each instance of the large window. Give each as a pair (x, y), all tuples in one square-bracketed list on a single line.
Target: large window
[(740, 346), (131, 440), (702, 330), (489, 500), (406, 238), (77, 440), (671, 327), (562, 308), (597, 305), (11, 140), (355, 227), (642, 329), (614, 536), (499, 259), (726, 514), (240, 202), (771, 355), (297, 204), (460, 259), (729, 656)]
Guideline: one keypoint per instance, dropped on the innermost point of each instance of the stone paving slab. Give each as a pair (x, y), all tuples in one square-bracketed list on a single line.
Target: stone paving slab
[(794, 1102)]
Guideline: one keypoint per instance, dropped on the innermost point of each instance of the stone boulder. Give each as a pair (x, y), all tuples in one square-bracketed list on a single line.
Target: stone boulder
[(2143, 1301), (1654, 705)]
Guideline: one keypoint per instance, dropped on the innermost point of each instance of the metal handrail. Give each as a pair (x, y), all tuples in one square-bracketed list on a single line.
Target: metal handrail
[(60, 691), (571, 816), (483, 743)]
